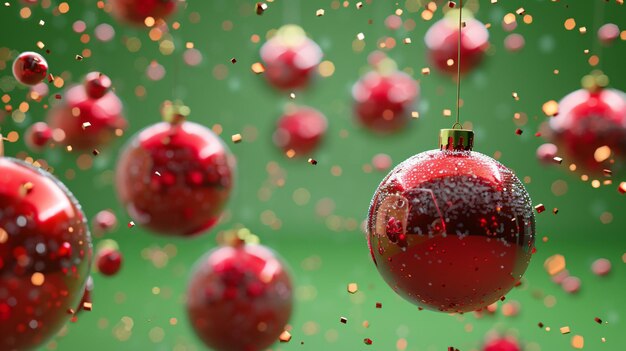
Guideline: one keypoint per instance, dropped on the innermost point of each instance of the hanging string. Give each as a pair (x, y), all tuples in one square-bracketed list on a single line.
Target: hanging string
[(458, 69)]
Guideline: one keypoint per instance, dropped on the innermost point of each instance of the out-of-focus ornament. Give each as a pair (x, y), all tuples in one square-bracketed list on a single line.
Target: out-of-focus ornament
[(175, 177), (290, 58), (502, 343), (300, 129), (384, 98), (451, 229), (547, 152), (239, 296), (442, 42), (109, 261), (137, 11), (38, 135), (30, 68), (45, 255), (90, 115), (590, 127)]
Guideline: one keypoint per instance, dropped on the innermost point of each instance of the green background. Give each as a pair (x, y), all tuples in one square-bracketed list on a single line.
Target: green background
[(326, 253)]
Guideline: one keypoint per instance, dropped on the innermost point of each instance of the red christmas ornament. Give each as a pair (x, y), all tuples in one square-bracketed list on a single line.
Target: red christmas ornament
[(38, 135), (300, 129), (290, 58), (442, 42), (590, 127), (109, 261), (90, 115), (502, 344), (384, 98), (175, 178), (136, 11), (239, 298), (30, 68), (451, 230), (45, 255)]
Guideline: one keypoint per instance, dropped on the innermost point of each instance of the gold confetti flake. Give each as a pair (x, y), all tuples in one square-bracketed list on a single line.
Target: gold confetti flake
[(87, 306), (582, 30), (425, 71), (319, 13), (564, 330), (285, 336), (236, 138), (79, 58), (292, 96), (520, 11), (415, 114), (86, 125), (359, 5), (260, 7), (312, 161), (407, 40), (447, 112), (554, 264), (360, 36), (353, 288), (515, 96), (622, 188)]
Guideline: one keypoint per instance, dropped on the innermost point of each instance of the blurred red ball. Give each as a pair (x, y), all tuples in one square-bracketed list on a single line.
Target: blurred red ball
[(300, 129), (547, 152), (608, 33), (97, 84), (109, 261), (136, 11), (383, 101), (451, 231), (38, 135), (45, 255), (30, 68), (88, 122), (175, 179), (290, 58), (502, 344), (239, 298), (442, 43), (590, 129)]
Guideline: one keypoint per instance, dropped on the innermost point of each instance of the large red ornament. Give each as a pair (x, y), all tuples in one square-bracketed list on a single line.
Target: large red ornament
[(300, 129), (239, 298), (45, 255), (30, 68), (290, 58), (90, 116), (590, 127), (451, 230), (175, 178), (442, 42), (136, 11), (385, 98)]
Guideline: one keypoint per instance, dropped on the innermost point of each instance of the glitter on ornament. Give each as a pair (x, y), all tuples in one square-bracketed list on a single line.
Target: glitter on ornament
[(451, 230)]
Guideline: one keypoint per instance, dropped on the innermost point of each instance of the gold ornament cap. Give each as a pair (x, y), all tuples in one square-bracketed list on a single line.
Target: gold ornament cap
[(595, 81), (456, 139), (174, 112)]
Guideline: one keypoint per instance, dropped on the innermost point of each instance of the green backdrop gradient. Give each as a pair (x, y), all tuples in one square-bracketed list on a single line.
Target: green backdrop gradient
[(243, 102)]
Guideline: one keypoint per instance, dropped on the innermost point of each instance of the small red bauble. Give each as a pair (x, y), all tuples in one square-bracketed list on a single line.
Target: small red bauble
[(175, 178), (590, 129), (109, 261), (502, 344), (300, 129), (451, 230), (38, 135), (30, 68), (290, 58), (442, 42), (45, 255), (89, 116), (136, 11), (239, 298), (385, 98)]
